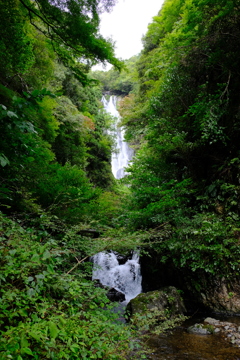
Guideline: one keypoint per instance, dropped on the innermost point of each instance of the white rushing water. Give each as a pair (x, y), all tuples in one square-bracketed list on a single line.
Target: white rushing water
[(125, 278), (123, 154)]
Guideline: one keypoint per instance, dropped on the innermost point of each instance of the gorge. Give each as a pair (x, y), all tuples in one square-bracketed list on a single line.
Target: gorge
[(65, 195)]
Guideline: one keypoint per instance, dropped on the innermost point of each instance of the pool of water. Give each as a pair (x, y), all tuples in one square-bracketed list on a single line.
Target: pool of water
[(180, 345)]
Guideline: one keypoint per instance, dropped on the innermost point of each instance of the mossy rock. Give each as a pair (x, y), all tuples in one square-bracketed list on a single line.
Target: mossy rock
[(201, 329), (165, 299)]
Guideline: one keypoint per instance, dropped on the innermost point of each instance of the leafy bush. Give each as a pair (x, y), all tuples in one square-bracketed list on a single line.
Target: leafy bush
[(47, 311), (206, 243)]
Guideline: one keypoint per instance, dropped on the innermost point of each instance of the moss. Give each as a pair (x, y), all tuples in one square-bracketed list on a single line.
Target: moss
[(166, 299), (209, 327)]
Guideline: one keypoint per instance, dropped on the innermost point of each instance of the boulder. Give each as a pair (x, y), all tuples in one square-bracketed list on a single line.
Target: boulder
[(167, 298), (212, 321), (112, 294), (200, 329), (115, 295)]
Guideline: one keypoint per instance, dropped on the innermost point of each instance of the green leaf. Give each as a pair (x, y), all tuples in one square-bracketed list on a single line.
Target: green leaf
[(27, 351), (35, 336), (4, 160), (12, 252), (35, 258), (46, 255), (50, 268), (31, 292), (23, 312), (53, 330), (24, 343)]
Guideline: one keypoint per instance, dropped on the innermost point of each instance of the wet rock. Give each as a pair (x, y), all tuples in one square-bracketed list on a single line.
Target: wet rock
[(122, 259), (167, 298), (98, 284), (115, 295), (112, 294), (230, 331), (199, 329), (211, 321)]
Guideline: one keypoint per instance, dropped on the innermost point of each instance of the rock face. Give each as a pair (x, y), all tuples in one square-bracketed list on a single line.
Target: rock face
[(167, 298), (222, 297), (200, 290)]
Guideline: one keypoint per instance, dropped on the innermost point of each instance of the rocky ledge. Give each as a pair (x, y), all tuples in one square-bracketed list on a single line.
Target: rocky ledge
[(230, 331)]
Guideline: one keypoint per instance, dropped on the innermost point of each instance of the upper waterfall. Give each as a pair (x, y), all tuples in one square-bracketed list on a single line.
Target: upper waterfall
[(123, 155)]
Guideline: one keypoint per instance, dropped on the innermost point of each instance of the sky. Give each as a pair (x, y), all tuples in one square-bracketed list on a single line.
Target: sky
[(127, 23)]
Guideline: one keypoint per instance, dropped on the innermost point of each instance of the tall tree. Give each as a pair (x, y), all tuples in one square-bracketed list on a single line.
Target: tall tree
[(71, 26)]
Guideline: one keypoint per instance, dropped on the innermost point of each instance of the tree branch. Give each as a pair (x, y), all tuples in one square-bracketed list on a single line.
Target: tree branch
[(50, 26), (78, 263)]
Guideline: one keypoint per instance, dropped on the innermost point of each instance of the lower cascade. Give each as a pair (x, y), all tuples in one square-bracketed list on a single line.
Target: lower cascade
[(125, 278)]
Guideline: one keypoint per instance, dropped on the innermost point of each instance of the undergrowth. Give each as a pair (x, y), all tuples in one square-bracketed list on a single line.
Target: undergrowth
[(47, 311)]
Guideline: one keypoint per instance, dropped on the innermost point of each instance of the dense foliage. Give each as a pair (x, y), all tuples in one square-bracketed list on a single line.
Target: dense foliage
[(54, 145), (184, 123), (55, 183), (117, 83), (181, 114), (49, 310)]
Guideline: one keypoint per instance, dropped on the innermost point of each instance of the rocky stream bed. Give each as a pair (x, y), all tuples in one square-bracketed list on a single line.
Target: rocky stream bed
[(218, 341), (198, 338)]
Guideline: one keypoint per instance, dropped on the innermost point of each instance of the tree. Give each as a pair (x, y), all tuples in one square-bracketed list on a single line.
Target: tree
[(73, 30), (119, 83), (184, 120)]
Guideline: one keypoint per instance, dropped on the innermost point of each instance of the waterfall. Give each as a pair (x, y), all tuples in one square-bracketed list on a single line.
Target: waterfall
[(123, 155), (125, 278)]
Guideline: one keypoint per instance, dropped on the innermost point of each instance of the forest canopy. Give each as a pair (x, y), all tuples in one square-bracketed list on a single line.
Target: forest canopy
[(71, 29)]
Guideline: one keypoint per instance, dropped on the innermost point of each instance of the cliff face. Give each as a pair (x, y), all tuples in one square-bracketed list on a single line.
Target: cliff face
[(199, 291)]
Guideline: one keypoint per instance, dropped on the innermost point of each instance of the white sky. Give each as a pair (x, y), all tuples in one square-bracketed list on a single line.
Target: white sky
[(127, 23)]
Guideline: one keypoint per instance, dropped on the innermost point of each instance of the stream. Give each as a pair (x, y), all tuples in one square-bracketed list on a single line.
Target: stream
[(123, 274), (180, 345)]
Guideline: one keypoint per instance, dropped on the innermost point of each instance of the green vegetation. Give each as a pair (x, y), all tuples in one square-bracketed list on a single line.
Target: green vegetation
[(49, 311), (183, 121), (55, 183), (181, 114), (119, 84)]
